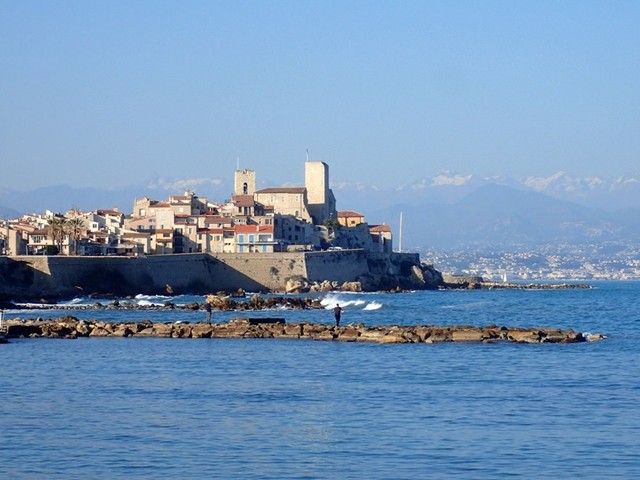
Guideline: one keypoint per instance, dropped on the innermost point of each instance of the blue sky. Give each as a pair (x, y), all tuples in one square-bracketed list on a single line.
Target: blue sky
[(110, 93)]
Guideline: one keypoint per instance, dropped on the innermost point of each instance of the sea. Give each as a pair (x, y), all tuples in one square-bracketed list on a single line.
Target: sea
[(156, 408)]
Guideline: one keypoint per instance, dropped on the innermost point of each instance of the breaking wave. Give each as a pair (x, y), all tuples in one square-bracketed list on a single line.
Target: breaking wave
[(344, 300)]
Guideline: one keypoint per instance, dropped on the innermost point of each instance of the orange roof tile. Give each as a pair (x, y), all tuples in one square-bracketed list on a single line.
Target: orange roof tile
[(379, 228), (349, 213)]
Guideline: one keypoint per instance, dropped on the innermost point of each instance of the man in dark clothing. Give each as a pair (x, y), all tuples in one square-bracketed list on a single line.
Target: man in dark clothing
[(207, 307), (337, 311)]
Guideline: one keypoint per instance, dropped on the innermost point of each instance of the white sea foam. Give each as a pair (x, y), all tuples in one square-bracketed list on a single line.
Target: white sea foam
[(330, 301), (141, 296), (75, 301), (373, 306)]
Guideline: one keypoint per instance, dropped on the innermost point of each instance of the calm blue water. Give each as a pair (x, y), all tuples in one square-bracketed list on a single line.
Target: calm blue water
[(297, 409)]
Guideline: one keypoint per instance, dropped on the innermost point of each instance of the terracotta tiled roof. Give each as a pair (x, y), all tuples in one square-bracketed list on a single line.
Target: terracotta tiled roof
[(245, 228), (253, 228), (243, 200), (379, 228), (349, 213)]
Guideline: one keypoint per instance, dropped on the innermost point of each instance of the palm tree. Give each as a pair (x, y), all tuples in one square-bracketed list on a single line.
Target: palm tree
[(56, 229), (74, 227)]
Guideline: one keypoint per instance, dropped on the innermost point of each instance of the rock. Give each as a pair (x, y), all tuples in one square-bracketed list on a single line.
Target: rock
[(348, 334), (351, 287), (468, 335), (148, 332), (181, 331), (524, 336), (371, 335), (202, 331), (296, 284), (100, 331), (417, 276), (325, 286), (292, 330), (122, 330), (82, 328), (393, 338), (324, 335), (596, 337), (438, 335)]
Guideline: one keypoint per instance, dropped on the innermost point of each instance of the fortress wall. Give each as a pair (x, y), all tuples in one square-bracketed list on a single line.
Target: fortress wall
[(340, 265), (35, 277), (59, 276), (269, 271)]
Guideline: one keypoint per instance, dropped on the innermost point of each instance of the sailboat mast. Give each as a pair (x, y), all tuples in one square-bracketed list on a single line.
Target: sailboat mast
[(400, 240)]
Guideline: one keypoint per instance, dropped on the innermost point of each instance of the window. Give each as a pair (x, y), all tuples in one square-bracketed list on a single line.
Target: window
[(251, 238), (241, 238)]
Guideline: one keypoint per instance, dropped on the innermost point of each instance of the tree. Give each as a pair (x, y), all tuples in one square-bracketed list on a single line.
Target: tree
[(74, 227), (56, 229)]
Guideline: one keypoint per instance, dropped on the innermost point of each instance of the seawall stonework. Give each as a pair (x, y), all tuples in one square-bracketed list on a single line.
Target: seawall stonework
[(35, 277)]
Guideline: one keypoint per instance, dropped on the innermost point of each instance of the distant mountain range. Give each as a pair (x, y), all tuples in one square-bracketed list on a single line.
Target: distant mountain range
[(446, 211), (452, 211)]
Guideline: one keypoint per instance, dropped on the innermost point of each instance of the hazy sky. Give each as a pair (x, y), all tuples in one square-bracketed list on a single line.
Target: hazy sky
[(108, 93)]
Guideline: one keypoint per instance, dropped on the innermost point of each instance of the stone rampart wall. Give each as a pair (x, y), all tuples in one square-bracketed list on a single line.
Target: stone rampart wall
[(339, 265), (35, 277)]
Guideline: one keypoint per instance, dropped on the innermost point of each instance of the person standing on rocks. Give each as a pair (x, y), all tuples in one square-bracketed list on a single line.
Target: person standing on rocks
[(337, 311), (207, 307)]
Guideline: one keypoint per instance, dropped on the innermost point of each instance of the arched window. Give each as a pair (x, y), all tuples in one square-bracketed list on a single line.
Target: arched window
[(245, 188)]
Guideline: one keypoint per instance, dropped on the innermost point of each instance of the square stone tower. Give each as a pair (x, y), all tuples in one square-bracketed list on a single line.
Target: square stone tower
[(321, 202), (245, 182)]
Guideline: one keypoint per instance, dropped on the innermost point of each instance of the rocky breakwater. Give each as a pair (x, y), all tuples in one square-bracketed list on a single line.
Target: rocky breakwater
[(70, 327), (469, 282)]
